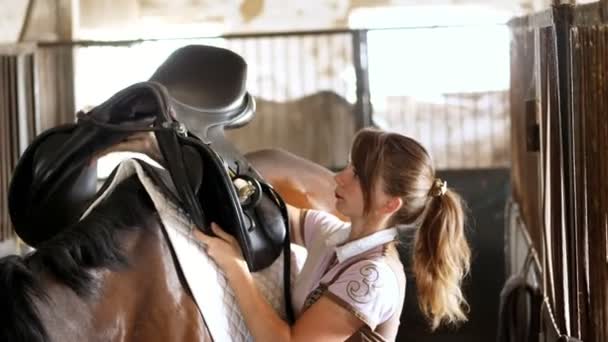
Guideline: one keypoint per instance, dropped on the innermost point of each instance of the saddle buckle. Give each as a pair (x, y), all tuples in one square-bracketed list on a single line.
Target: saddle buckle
[(244, 189), (177, 126)]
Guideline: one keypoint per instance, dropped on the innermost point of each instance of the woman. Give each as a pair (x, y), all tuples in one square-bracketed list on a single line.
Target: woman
[(352, 284)]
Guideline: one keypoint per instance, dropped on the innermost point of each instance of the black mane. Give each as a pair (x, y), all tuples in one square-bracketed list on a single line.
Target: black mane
[(90, 243)]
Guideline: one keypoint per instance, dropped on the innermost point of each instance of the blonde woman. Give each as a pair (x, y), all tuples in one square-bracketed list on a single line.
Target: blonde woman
[(352, 284)]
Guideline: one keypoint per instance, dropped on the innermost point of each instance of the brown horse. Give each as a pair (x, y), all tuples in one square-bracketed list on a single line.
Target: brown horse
[(113, 276), (109, 277)]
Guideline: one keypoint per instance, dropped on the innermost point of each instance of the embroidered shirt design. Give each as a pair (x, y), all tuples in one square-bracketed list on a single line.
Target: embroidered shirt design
[(364, 291)]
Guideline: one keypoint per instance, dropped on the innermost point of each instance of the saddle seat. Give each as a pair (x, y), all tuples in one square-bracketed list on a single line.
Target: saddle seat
[(207, 88)]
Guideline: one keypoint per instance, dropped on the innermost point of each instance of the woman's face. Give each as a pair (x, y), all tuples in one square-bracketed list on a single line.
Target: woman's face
[(349, 196)]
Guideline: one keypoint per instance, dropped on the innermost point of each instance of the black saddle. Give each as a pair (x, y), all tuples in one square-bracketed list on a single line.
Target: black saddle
[(55, 178)]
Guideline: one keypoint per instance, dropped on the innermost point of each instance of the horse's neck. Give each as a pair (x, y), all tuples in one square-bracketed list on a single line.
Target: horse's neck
[(146, 301), (64, 315)]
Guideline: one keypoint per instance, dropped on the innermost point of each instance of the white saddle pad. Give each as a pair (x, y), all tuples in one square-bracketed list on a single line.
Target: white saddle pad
[(211, 292)]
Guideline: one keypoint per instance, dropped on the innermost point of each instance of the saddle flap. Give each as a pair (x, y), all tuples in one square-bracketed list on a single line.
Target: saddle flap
[(269, 215), (260, 230), (56, 176), (36, 198), (194, 169)]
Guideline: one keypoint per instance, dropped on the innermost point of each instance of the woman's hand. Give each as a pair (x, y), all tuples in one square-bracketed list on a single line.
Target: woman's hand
[(223, 249)]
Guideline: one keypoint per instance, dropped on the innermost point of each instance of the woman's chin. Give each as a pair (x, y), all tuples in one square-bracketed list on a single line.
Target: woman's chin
[(338, 212), (340, 208)]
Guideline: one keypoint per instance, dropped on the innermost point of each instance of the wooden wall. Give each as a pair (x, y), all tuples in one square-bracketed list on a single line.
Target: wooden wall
[(17, 119), (560, 171)]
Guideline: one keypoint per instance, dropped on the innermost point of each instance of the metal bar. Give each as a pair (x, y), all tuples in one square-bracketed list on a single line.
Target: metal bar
[(131, 42), (32, 119), (17, 48), (363, 106), (505, 98), (272, 41), (4, 91), (489, 110), (462, 121), (8, 124), (448, 130), (13, 128), (476, 115), (282, 118), (9, 91)]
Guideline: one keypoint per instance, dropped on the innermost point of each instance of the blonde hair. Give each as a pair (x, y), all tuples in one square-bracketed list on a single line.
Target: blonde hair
[(441, 253)]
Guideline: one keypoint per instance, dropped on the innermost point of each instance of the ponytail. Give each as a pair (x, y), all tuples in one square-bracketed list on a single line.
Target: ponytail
[(441, 253), (441, 260)]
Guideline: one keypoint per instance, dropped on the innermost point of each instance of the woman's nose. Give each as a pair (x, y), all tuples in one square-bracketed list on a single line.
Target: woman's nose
[(339, 177)]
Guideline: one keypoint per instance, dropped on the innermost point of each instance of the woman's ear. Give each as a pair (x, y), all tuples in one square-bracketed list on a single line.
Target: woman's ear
[(392, 205)]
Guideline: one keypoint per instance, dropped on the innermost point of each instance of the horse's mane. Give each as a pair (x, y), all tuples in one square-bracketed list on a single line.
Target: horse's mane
[(90, 243)]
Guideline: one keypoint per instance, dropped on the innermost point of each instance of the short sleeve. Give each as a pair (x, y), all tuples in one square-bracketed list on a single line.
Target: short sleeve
[(319, 225), (369, 289)]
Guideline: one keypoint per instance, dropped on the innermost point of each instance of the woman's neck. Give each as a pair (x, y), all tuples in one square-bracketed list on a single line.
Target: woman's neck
[(365, 225)]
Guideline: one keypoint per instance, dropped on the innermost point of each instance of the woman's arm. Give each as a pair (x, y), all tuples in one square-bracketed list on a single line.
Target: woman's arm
[(323, 321), (296, 224)]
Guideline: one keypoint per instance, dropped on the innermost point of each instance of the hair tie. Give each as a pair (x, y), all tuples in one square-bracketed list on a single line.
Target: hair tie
[(439, 188)]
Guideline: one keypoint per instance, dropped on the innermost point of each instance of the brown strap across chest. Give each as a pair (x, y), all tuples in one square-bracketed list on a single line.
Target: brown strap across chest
[(386, 331)]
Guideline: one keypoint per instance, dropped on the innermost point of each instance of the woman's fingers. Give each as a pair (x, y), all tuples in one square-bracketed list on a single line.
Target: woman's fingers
[(223, 248), (201, 237), (208, 239), (221, 233)]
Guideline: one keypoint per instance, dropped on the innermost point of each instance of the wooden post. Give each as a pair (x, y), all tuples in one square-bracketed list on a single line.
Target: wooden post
[(54, 66)]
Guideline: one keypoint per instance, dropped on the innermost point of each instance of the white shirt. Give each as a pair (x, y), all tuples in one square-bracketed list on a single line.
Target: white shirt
[(355, 275)]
